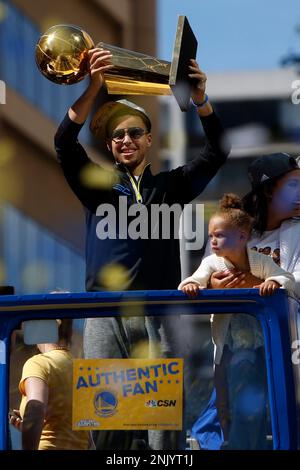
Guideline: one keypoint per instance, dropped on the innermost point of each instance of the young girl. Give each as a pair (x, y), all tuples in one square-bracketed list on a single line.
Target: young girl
[(229, 231), (274, 204)]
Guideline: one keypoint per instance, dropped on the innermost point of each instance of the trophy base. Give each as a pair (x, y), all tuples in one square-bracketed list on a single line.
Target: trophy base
[(139, 74), (185, 48)]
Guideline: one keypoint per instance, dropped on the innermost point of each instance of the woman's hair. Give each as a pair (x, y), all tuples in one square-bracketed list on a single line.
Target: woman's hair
[(65, 330), (232, 209), (65, 325), (256, 204)]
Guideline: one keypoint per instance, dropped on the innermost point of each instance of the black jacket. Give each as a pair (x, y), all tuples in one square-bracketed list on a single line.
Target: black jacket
[(150, 263)]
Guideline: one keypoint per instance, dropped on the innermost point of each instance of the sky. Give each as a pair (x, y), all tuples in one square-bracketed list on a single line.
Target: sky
[(233, 34)]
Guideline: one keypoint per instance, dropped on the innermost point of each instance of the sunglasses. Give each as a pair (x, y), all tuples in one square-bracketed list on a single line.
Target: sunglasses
[(134, 133)]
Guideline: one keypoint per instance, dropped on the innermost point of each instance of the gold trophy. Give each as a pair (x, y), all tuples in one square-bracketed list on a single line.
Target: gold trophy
[(61, 56)]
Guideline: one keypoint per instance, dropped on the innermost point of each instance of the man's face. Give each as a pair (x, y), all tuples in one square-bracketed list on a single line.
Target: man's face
[(130, 151)]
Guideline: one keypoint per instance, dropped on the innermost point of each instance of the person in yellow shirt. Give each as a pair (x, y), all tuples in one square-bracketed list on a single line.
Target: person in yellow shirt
[(45, 415)]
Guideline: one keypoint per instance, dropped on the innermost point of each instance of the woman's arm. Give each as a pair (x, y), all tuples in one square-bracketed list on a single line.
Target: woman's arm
[(233, 279), (35, 411)]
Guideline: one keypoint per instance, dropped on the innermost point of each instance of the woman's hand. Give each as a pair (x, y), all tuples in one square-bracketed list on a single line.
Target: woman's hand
[(15, 419), (233, 279), (228, 279)]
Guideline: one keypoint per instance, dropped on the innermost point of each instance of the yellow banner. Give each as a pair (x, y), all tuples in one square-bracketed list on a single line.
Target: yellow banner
[(127, 394)]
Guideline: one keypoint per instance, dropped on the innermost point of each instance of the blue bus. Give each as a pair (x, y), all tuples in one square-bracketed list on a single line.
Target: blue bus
[(190, 320)]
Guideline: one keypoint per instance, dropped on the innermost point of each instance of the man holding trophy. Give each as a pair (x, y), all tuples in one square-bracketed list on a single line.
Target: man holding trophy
[(149, 263)]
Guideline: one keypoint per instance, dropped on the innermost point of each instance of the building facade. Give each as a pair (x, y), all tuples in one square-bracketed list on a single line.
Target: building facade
[(39, 212)]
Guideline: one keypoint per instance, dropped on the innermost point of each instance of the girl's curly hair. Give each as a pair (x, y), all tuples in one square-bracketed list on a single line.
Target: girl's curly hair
[(232, 209)]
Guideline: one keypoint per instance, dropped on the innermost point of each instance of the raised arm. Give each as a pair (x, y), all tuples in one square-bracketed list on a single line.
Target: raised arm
[(99, 63), (70, 153), (199, 97), (194, 176)]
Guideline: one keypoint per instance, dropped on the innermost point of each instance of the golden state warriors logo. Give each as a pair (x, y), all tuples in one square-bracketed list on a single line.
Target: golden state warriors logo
[(105, 403)]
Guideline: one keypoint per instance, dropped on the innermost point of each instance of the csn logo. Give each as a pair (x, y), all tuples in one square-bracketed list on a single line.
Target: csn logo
[(296, 353), (156, 403)]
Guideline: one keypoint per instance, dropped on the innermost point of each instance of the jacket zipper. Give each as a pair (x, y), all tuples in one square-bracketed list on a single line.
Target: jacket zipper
[(136, 185)]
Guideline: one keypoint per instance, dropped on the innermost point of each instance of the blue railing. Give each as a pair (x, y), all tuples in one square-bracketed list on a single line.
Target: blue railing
[(18, 38), (270, 311)]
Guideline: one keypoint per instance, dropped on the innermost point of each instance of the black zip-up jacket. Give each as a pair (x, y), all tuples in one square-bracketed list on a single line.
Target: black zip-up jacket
[(150, 263)]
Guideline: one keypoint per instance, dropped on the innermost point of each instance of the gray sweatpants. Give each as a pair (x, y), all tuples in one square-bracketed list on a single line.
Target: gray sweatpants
[(127, 337)]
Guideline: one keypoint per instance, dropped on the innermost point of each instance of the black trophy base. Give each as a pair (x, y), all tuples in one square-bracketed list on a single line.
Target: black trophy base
[(185, 48)]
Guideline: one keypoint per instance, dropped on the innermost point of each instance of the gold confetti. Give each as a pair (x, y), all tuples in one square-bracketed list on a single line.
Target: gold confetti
[(49, 21), (3, 11), (7, 150), (35, 277), (2, 273), (95, 177), (114, 277), (140, 350)]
